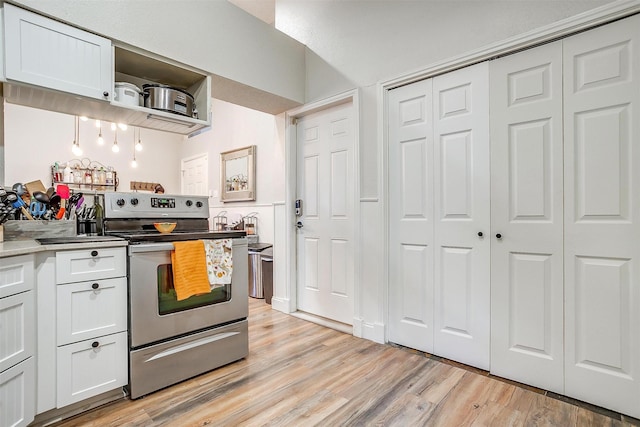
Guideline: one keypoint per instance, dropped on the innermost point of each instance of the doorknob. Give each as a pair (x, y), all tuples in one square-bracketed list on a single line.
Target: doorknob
[(299, 224), (498, 236), (480, 234)]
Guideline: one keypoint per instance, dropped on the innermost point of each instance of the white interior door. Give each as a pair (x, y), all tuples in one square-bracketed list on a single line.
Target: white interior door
[(461, 215), (526, 210), (602, 215), (411, 216), (195, 175), (325, 184)]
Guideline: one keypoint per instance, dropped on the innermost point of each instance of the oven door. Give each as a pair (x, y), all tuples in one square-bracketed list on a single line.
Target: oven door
[(154, 312)]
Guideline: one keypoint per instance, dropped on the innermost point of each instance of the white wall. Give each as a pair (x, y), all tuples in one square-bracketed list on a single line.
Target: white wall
[(358, 44), (35, 139), (235, 127)]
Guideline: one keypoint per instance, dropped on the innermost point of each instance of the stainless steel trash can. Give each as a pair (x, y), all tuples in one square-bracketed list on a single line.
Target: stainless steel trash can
[(256, 288), (266, 261)]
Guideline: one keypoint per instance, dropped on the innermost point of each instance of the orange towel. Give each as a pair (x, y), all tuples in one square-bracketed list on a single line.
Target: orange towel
[(189, 269)]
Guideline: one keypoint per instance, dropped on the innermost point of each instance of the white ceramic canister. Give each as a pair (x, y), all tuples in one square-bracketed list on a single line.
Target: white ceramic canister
[(127, 93)]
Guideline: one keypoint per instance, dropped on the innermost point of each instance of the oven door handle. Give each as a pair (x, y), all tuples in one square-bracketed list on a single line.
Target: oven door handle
[(150, 247)]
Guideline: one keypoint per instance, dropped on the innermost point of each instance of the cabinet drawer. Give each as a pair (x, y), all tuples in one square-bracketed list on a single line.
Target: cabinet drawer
[(91, 309), (90, 264), (17, 329), (16, 274), (91, 367), (18, 393)]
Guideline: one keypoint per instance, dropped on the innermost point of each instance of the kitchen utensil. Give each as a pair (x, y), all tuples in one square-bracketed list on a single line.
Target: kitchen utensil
[(19, 188), (41, 197), (164, 227), (61, 212), (18, 203), (34, 186), (167, 98), (37, 208), (63, 191), (54, 200)]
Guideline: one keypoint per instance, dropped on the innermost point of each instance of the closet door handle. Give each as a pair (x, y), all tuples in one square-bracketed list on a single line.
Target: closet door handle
[(480, 234), (498, 236)]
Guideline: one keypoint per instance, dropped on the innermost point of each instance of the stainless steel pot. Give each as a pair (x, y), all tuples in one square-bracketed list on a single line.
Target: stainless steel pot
[(167, 98)]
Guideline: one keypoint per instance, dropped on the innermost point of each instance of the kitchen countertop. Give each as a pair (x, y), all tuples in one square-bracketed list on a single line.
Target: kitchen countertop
[(24, 247)]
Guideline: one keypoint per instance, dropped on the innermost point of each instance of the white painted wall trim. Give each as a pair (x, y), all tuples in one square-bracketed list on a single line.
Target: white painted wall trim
[(280, 300), (291, 118), (584, 21), (371, 331)]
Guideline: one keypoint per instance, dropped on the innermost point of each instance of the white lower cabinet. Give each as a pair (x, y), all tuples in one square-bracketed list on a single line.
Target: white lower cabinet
[(88, 368), (17, 341), (17, 394), (82, 326)]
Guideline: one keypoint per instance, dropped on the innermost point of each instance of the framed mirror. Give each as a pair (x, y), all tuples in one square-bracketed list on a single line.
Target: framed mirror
[(238, 174)]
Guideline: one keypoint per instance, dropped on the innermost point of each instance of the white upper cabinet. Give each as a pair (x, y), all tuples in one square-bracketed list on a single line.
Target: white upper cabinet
[(54, 66), (53, 55)]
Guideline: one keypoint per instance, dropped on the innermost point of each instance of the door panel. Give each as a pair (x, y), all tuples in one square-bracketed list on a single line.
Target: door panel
[(326, 142), (195, 176), (526, 209), (462, 275), (602, 218), (410, 216)]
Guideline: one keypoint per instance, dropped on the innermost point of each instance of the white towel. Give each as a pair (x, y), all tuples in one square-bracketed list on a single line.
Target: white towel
[(219, 261)]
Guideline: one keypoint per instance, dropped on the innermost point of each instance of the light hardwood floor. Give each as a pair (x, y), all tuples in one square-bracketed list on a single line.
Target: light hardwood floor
[(301, 374)]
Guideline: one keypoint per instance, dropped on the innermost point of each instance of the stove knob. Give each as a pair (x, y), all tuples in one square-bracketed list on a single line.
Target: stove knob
[(134, 201), (199, 204), (189, 203), (120, 202)]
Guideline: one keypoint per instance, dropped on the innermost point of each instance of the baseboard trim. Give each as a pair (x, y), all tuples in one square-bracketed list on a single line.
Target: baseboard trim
[(322, 321), (280, 304)]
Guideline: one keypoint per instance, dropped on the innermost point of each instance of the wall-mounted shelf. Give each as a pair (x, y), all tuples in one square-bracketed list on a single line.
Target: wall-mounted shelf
[(86, 174)]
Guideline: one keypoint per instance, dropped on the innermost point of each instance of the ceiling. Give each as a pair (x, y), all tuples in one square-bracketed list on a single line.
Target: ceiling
[(264, 10)]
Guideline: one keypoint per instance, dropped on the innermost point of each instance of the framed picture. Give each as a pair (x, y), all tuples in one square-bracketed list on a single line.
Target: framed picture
[(238, 174)]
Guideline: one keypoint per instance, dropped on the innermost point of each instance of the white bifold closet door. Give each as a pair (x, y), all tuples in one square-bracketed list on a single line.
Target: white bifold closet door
[(602, 215), (461, 219), (411, 216), (526, 211), (439, 216)]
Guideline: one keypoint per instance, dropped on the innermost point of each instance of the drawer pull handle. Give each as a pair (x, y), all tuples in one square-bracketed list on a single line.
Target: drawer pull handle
[(95, 344), (94, 253), (95, 286)]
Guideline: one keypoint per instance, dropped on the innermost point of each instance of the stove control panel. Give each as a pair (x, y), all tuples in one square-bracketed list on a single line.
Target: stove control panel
[(143, 205), (165, 202)]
